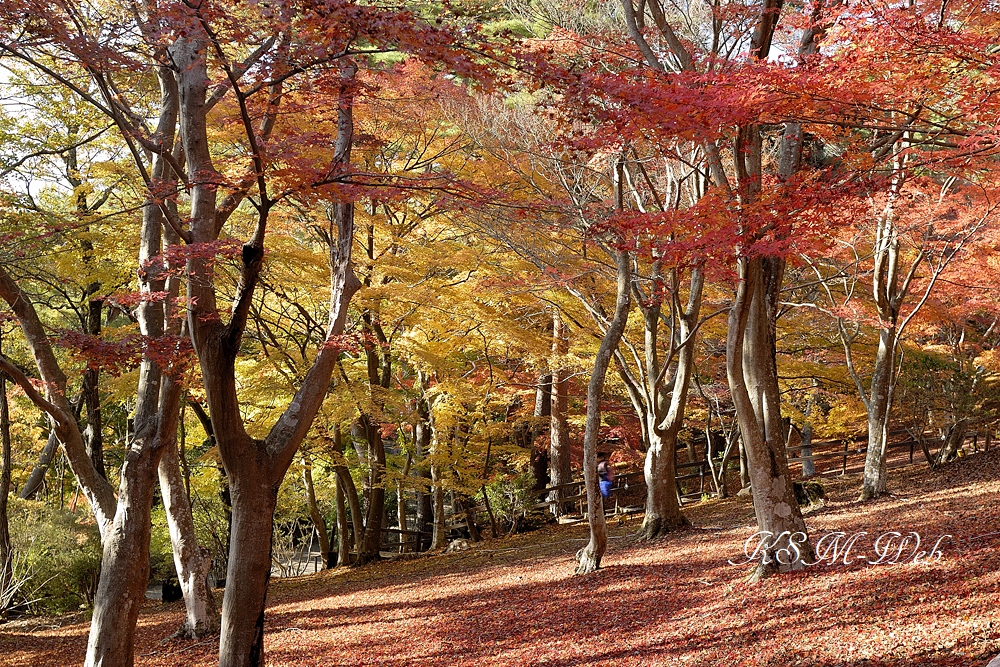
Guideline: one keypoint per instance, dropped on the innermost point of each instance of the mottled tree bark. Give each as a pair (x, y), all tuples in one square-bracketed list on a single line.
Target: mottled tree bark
[(879, 403), (753, 383), (191, 561), (663, 511), (589, 558), (125, 561)]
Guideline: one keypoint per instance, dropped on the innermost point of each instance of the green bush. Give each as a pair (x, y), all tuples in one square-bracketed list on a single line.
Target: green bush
[(57, 554), (511, 500)]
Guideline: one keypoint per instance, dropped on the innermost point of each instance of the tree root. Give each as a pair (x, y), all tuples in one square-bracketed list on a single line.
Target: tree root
[(587, 561), (654, 527)]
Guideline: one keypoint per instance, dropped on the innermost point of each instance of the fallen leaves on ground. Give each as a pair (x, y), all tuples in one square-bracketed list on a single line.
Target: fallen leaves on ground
[(675, 601)]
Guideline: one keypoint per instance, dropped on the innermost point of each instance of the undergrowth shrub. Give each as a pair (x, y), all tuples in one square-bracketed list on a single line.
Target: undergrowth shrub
[(513, 503), (57, 557)]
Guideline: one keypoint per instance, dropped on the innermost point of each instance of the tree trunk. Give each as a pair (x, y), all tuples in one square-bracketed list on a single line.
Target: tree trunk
[(559, 461), (241, 642), (255, 467), (744, 468), (6, 554), (65, 428), (93, 435), (124, 564), (422, 441), (374, 521), (589, 558), (439, 537), (344, 542), (663, 511), (357, 531), (879, 404), (541, 457), (953, 441), (401, 500), (125, 560), (808, 464), (753, 383), (37, 476), (191, 560), (720, 477), (314, 514)]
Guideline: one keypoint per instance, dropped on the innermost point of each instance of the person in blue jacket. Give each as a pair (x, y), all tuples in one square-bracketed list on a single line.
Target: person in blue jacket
[(606, 474)]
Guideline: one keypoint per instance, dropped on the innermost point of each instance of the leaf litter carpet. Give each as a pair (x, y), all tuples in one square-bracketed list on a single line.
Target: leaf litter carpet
[(674, 601)]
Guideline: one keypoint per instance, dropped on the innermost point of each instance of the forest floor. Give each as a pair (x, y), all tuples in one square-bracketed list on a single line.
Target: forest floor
[(674, 601)]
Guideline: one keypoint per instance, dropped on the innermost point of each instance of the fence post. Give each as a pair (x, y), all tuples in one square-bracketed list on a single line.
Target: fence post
[(843, 470)]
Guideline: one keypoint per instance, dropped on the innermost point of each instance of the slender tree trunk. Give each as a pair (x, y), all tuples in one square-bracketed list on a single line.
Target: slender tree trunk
[(559, 458), (344, 541), (6, 553), (93, 435), (357, 531), (401, 500), (439, 534), (65, 427), (125, 561), (37, 476), (744, 467), (541, 458), (953, 441), (314, 514), (374, 521), (439, 537), (589, 558), (720, 477), (191, 560), (422, 438), (808, 464), (879, 404)]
